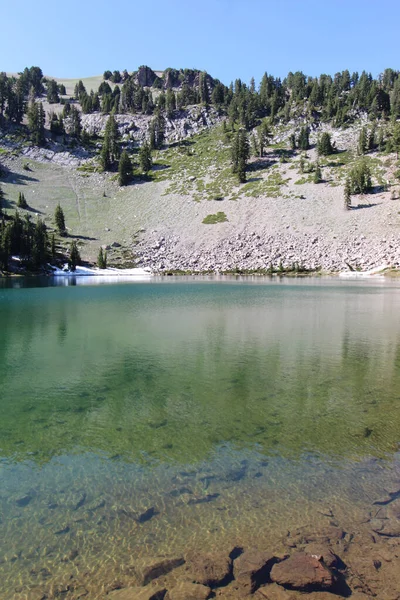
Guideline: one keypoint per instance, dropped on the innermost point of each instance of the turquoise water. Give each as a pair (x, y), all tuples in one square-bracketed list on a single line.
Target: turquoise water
[(232, 410)]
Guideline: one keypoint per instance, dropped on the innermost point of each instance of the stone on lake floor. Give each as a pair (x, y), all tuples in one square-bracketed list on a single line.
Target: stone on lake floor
[(23, 500), (212, 570), (157, 568), (273, 591), (188, 591), (139, 593), (324, 553), (302, 572), (252, 568)]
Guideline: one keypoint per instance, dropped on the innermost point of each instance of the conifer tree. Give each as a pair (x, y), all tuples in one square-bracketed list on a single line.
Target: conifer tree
[(102, 259), (124, 169), (324, 145), (74, 256), (145, 160), (22, 203), (304, 141), (60, 220), (53, 246), (317, 174), (110, 151), (347, 194), (362, 141), (36, 121), (240, 154)]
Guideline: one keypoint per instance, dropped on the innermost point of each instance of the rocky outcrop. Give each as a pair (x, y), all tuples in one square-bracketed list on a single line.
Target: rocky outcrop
[(184, 124), (302, 572), (145, 76), (252, 251)]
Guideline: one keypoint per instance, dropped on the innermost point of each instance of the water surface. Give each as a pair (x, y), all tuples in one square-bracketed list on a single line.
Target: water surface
[(234, 410)]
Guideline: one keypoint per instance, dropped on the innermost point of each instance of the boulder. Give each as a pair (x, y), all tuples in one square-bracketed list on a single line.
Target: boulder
[(324, 553), (302, 572), (252, 568), (157, 568), (139, 593), (212, 570), (188, 591), (273, 591)]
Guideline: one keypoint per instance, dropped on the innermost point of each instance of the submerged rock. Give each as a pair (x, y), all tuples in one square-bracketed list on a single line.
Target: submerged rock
[(302, 572), (252, 568), (189, 591), (212, 570), (139, 593), (158, 567), (24, 500)]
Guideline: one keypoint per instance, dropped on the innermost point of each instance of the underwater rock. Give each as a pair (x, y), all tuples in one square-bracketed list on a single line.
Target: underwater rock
[(147, 515), (188, 591), (212, 570), (79, 501), (324, 553), (202, 499), (273, 591), (63, 530), (158, 567), (252, 568), (138, 593), (24, 500), (302, 572)]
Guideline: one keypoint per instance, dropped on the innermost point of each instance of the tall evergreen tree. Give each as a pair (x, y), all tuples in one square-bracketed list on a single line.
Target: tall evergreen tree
[(240, 154), (102, 259), (304, 138), (324, 144), (74, 256), (145, 160), (110, 151), (60, 220), (124, 169), (362, 141)]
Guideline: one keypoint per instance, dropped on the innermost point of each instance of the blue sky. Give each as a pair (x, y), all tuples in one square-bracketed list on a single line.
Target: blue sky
[(228, 38)]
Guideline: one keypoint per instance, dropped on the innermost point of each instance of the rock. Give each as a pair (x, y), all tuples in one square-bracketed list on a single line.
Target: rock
[(203, 499), (324, 553), (302, 572), (252, 568), (212, 570), (273, 591), (23, 500), (139, 593), (147, 515), (145, 76), (188, 591), (158, 567)]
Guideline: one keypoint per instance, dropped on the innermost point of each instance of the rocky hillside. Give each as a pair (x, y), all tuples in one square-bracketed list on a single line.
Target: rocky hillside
[(191, 214)]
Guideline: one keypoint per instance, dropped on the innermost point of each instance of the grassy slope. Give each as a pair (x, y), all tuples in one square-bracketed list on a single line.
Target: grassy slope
[(194, 180)]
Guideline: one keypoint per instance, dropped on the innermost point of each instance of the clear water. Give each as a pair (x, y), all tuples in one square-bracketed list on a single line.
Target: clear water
[(236, 410)]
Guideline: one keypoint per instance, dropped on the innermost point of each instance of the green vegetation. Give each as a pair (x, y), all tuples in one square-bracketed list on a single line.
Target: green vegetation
[(220, 217), (59, 220), (124, 169), (360, 178), (74, 256), (324, 145), (102, 259)]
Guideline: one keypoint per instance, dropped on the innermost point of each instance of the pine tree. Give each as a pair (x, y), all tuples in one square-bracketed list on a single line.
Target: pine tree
[(360, 178), (292, 140), (74, 256), (22, 203), (102, 259), (304, 138), (145, 160), (347, 194), (362, 141), (110, 151), (60, 220), (124, 169), (39, 245), (53, 246), (371, 137), (324, 145), (240, 154), (317, 174), (36, 121)]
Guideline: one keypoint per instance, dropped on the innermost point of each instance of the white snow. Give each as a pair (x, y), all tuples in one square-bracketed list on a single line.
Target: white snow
[(94, 272), (375, 271)]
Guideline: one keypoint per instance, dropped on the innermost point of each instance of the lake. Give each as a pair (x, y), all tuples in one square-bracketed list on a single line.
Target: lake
[(150, 418)]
